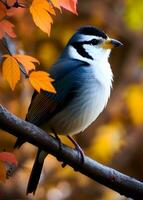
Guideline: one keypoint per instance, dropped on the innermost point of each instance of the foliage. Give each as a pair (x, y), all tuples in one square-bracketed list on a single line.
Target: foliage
[(116, 136), (13, 64), (40, 11), (134, 14), (108, 141), (134, 99), (8, 164)]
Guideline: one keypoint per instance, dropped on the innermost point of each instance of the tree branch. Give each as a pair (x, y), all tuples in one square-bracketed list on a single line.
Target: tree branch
[(109, 177)]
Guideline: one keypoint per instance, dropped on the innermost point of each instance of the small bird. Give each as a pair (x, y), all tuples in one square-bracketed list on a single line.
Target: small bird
[(83, 82)]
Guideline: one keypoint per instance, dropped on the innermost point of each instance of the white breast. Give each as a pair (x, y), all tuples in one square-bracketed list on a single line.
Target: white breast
[(86, 107)]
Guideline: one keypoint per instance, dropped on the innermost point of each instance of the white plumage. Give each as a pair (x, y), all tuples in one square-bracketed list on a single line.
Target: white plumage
[(92, 98)]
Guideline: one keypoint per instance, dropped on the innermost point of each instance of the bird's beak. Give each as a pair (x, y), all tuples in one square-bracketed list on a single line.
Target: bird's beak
[(111, 43)]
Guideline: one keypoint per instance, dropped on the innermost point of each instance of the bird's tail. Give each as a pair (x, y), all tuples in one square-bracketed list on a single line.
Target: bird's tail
[(36, 171)]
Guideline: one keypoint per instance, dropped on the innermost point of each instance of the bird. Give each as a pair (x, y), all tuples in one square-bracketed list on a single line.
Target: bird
[(83, 82)]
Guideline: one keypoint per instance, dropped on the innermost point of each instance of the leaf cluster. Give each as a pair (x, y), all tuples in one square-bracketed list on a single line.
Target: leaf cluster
[(41, 12)]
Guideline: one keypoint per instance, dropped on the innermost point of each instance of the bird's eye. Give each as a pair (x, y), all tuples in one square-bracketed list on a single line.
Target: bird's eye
[(95, 42)]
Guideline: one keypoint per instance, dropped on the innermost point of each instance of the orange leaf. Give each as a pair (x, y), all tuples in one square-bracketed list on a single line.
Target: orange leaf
[(6, 27), (41, 11), (41, 80), (2, 11), (11, 71), (2, 172), (26, 61), (56, 4), (8, 157), (69, 5)]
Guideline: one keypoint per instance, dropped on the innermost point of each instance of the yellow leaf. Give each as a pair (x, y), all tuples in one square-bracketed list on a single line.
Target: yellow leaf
[(133, 14), (26, 61), (134, 100), (41, 11), (11, 71), (41, 80), (107, 142), (2, 172)]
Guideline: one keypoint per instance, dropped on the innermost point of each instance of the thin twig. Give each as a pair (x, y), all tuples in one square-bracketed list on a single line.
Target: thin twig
[(16, 4), (5, 45)]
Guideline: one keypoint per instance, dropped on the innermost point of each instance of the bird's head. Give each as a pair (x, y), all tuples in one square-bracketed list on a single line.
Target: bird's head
[(90, 44)]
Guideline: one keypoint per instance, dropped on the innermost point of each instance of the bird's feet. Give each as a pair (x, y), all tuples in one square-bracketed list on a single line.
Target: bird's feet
[(79, 150), (77, 147), (59, 141), (60, 149)]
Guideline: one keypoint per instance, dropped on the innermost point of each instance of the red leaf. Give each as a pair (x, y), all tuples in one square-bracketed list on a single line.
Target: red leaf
[(8, 157), (8, 164), (6, 27), (2, 11), (69, 5)]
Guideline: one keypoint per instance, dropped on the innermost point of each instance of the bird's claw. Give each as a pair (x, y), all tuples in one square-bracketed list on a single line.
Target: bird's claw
[(81, 154)]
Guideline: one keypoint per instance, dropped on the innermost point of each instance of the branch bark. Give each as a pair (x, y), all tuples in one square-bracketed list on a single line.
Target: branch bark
[(109, 177)]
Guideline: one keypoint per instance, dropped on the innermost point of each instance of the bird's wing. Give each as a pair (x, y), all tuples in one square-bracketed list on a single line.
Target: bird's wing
[(64, 67), (45, 104)]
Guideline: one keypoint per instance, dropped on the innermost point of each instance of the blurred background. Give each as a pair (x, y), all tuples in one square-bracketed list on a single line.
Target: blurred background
[(116, 138)]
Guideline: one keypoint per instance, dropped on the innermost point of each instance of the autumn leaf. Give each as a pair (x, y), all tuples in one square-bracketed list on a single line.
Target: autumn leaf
[(108, 141), (41, 11), (15, 12), (41, 80), (2, 11), (6, 27), (8, 164), (8, 157), (2, 172), (11, 71), (56, 4), (134, 101), (26, 61), (69, 5)]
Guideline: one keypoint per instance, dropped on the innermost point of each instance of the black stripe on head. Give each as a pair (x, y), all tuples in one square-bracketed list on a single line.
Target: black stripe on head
[(79, 47), (90, 30)]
